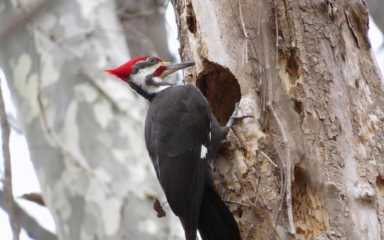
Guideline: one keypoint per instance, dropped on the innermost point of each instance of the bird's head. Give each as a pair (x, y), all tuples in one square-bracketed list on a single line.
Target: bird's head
[(146, 75)]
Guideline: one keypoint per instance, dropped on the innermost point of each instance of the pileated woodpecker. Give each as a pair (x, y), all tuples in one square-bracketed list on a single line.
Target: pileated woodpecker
[(182, 135)]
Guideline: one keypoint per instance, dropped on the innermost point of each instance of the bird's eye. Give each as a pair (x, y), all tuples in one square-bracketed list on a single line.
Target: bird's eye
[(153, 60)]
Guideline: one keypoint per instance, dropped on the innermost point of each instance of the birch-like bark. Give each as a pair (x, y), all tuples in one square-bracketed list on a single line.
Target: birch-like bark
[(84, 130), (309, 165), (145, 28)]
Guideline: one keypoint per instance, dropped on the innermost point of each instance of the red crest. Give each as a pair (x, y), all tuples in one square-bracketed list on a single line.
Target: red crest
[(123, 71)]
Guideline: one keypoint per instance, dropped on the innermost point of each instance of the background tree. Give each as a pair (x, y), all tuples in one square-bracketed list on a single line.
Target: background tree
[(84, 133), (376, 9), (309, 165)]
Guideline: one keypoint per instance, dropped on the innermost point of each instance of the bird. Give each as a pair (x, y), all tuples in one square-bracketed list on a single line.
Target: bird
[(182, 137)]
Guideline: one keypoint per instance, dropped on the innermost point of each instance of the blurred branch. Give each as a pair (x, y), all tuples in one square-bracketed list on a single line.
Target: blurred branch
[(8, 189), (124, 15), (18, 217), (94, 83), (13, 20), (35, 198), (376, 10), (28, 223), (159, 6), (14, 124), (146, 17)]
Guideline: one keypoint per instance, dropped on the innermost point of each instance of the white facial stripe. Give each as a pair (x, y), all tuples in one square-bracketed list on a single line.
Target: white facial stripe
[(139, 79), (203, 152), (209, 136)]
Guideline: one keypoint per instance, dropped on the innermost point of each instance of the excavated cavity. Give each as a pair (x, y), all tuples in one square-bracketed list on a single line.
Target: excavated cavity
[(309, 213), (298, 106), (221, 89), (191, 19), (380, 185), (293, 65)]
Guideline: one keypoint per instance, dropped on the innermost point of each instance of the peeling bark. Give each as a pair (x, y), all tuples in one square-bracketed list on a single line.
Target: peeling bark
[(309, 165), (84, 132)]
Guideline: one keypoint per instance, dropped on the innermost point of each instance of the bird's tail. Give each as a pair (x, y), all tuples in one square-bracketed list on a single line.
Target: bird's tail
[(216, 221)]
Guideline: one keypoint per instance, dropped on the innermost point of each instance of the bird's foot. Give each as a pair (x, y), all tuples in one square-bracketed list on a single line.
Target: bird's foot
[(235, 116)]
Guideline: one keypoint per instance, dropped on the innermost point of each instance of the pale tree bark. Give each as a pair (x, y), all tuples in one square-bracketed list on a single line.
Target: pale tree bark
[(309, 165), (84, 131), (32, 227), (7, 199), (145, 26)]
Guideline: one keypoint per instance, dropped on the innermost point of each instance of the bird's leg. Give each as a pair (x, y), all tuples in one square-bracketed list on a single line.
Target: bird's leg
[(218, 134), (234, 116)]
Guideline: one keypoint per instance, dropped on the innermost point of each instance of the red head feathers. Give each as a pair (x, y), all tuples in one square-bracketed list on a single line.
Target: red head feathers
[(124, 70)]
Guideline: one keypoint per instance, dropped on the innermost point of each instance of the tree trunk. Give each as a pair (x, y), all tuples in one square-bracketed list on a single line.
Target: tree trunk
[(145, 26), (309, 164), (85, 133)]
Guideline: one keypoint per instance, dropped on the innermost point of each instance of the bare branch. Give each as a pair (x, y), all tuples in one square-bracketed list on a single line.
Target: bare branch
[(14, 124), (8, 190), (15, 20), (18, 217), (34, 197), (28, 223), (101, 91)]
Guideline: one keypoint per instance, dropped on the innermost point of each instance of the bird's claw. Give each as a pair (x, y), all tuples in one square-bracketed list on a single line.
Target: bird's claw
[(235, 116), (232, 117)]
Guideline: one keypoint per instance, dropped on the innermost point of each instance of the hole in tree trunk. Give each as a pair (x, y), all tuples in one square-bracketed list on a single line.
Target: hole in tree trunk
[(380, 185), (309, 214), (221, 89), (298, 106), (191, 19)]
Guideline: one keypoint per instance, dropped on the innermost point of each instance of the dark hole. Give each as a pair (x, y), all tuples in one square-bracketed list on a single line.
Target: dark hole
[(298, 105), (293, 65), (301, 177), (191, 19), (221, 89), (380, 181), (239, 212)]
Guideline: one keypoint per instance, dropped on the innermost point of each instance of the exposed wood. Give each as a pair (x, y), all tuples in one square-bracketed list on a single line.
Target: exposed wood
[(85, 137), (306, 74)]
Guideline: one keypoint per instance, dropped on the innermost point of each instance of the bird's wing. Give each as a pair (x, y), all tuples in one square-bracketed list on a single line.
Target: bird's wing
[(177, 126)]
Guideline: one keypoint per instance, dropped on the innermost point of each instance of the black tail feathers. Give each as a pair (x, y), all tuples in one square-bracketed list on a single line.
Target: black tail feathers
[(216, 221)]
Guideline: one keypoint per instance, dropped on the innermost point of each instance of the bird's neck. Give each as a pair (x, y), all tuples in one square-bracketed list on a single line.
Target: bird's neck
[(140, 91)]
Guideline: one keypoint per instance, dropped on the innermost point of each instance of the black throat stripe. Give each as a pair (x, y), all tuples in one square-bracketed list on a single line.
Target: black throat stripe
[(139, 90)]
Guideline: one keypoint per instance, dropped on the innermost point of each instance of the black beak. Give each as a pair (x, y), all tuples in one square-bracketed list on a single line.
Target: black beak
[(173, 67), (179, 66)]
